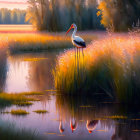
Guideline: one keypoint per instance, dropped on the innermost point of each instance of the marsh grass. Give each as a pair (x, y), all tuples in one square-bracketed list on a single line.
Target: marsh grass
[(32, 93), (41, 111), (20, 99), (25, 103), (19, 112), (110, 66), (37, 41)]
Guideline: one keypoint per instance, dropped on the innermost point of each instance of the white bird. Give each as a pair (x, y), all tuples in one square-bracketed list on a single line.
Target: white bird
[(77, 41)]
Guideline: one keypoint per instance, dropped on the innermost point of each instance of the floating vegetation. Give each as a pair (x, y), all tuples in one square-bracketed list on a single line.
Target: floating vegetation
[(34, 59), (16, 99), (116, 117), (102, 130), (23, 103), (19, 112), (32, 93), (51, 133), (51, 90), (41, 111)]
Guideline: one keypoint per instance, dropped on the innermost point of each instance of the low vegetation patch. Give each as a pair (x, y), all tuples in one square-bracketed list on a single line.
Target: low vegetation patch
[(19, 112), (32, 93), (23, 103), (110, 66), (20, 99), (34, 42), (116, 117), (41, 111)]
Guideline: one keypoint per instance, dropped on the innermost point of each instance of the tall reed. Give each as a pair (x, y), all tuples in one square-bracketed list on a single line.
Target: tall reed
[(110, 66)]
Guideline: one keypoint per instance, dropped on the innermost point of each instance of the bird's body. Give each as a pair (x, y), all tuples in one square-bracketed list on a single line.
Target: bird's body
[(77, 41)]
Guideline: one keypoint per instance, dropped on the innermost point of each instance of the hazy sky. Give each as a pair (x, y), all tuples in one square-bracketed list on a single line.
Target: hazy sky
[(11, 4)]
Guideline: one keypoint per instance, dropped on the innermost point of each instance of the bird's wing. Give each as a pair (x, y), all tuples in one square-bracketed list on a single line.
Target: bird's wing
[(79, 41)]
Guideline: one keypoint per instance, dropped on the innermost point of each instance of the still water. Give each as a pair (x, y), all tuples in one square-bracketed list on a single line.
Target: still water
[(68, 117)]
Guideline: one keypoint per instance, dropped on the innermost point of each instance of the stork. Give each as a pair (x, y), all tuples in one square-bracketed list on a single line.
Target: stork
[(77, 41)]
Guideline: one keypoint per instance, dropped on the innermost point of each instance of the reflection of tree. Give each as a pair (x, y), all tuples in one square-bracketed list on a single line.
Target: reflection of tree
[(3, 68), (40, 72)]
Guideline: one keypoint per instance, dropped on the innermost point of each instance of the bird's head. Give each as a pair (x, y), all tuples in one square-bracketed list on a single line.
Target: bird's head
[(71, 27)]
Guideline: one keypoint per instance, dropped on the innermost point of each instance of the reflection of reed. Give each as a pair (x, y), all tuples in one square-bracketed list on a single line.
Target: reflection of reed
[(3, 68), (40, 77)]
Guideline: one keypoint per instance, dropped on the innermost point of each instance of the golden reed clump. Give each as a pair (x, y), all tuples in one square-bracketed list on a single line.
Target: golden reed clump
[(109, 66)]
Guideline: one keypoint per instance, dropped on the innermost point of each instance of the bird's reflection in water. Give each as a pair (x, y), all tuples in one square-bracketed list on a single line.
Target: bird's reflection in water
[(91, 125), (61, 127), (99, 117), (73, 124)]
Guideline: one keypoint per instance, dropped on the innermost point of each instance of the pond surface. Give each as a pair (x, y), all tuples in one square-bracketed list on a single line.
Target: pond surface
[(68, 118)]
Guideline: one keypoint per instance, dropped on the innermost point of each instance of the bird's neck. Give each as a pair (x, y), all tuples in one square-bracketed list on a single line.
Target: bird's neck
[(74, 32)]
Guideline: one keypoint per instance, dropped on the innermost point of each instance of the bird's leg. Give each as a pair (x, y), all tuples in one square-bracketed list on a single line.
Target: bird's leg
[(77, 61)]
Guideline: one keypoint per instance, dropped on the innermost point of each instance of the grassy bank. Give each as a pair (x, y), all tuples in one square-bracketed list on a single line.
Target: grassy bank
[(34, 42), (110, 66)]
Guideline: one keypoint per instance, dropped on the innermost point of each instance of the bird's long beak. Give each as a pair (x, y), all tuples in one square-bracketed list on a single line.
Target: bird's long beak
[(68, 30)]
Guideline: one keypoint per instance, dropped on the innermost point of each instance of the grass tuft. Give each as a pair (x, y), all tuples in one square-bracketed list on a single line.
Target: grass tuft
[(17, 99), (32, 93), (19, 112), (41, 111), (23, 103)]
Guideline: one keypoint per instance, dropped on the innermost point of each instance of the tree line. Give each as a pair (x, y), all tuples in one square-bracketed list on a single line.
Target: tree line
[(58, 15), (119, 15), (14, 16)]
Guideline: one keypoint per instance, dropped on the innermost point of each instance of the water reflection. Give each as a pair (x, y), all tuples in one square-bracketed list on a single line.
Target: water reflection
[(30, 75), (100, 117), (3, 68)]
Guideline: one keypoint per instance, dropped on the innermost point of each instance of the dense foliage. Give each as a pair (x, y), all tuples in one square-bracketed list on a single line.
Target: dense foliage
[(14, 16), (58, 15), (119, 15)]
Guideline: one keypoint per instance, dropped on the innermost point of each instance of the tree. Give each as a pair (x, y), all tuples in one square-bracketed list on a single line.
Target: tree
[(119, 14)]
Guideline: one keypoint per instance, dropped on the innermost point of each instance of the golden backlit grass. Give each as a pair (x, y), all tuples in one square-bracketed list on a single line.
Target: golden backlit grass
[(24, 38), (109, 66)]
